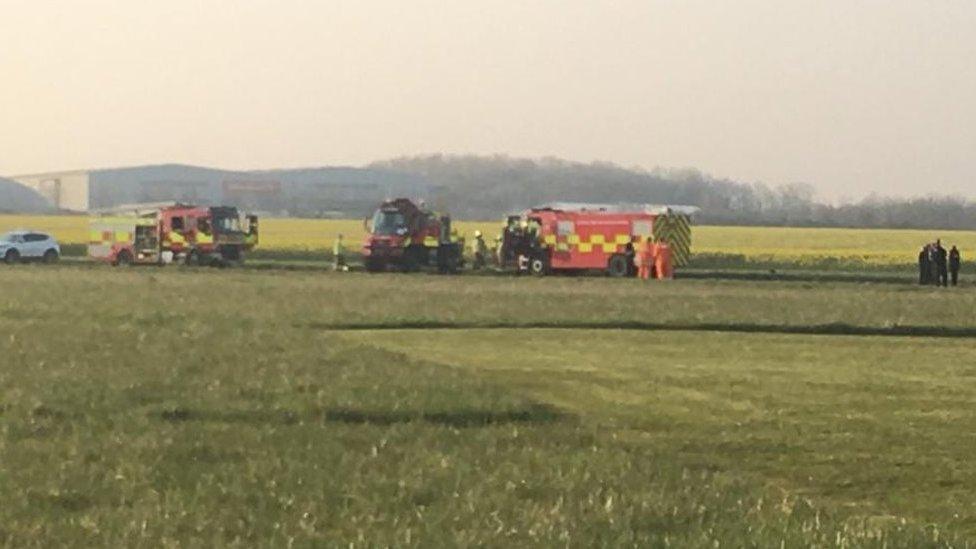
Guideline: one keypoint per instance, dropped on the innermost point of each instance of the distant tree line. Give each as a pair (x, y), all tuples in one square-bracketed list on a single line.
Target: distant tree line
[(479, 187)]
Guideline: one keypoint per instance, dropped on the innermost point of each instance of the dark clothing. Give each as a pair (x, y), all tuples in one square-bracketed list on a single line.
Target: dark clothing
[(954, 261), (924, 269), (942, 266), (631, 254)]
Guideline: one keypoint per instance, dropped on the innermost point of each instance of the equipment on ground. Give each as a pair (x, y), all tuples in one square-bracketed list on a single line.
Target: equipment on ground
[(405, 236), (578, 237), (161, 234)]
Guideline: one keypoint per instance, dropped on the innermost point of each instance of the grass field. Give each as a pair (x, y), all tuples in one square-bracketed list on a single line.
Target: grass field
[(176, 406), (715, 247)]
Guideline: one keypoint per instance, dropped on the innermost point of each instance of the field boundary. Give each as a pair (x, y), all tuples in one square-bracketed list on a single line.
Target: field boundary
[(829, 329)]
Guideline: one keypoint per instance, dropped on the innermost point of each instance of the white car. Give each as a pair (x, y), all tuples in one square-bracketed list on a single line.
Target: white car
[(18, 246)]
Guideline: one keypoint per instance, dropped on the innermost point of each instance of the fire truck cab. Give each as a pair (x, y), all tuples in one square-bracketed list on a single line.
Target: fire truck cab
[(568, 237)]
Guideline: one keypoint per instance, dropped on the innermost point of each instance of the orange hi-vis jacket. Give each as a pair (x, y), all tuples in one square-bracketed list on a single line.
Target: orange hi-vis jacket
[(662, 261), (645, 253), (644, 258)]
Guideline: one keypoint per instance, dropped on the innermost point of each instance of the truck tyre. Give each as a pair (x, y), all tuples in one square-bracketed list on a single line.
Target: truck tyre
[(13, 256), (617, 267), (374, 266), (414, 257), (538, 266), (51, 256), (123, 259)]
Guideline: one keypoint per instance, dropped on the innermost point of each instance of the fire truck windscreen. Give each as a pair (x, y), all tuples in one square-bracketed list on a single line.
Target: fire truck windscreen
[(389, 223), (226, 224)]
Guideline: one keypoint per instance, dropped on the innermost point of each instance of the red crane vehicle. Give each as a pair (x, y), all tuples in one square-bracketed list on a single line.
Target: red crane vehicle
[(566, 237), (162, 234), (405, 236)]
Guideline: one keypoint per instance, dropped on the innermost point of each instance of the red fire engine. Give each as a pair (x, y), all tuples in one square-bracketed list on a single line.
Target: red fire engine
[(161, 234), (407, 237), (578, 237)]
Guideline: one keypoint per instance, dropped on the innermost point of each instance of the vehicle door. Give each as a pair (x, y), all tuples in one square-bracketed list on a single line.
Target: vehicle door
[(34, 245)]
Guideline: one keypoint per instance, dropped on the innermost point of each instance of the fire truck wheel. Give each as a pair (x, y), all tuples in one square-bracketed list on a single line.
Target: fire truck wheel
[(617, 266), (13, 256), (413, 258), (124, 259), (537, 266)]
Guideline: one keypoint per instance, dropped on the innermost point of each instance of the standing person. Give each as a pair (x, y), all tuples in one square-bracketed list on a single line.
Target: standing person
[(339, 254), (644, 258), (923, 266), (480, 251), (630, 252), (954, 261), (941, 263), (662, 260)]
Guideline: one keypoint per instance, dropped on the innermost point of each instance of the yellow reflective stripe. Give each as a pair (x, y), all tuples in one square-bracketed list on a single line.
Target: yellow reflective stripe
[(549, 239), (676, 228), (622, 238), (122, 236), (176, 238), (562, 247), (573, 239), (609, 247), (585, 247), (430, 242), (597, 239), (203, 238)]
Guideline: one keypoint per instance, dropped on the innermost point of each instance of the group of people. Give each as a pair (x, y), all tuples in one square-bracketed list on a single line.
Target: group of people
[(651, 259), (938, 267)]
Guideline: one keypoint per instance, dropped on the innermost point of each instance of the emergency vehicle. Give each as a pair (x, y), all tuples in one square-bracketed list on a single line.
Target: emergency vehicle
[(586, 237), (162, 234), (405, 236)]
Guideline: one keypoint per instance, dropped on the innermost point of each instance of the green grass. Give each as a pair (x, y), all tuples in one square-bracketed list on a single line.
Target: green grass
[(209, 408)]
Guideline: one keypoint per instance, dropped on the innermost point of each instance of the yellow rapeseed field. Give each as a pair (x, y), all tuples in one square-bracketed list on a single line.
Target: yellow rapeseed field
[(778, 244)]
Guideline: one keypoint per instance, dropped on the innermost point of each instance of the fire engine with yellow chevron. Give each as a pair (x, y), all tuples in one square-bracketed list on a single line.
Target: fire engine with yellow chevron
[(159, 234), (574, 237)]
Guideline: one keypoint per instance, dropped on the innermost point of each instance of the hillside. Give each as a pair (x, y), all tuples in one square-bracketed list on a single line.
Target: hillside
[(487, 187), (15, 197)]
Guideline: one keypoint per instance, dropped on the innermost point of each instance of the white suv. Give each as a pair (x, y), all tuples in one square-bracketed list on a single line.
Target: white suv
[(18, 246)]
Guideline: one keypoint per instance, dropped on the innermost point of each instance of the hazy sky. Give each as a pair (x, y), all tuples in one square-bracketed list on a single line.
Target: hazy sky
[(851, 96)]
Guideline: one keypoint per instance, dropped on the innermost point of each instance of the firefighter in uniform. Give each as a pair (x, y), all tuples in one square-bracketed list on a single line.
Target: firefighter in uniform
[(339, 255), (644, 258), (522, 247), (662, 261), (480, 251)]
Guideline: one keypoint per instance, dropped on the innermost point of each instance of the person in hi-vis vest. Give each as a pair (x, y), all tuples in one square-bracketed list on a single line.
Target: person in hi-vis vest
[(662, 260)]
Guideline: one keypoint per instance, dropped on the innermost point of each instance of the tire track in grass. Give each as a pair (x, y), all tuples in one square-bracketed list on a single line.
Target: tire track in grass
[(832, 329)]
